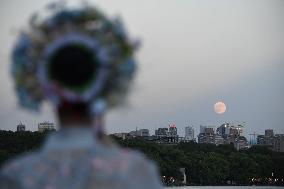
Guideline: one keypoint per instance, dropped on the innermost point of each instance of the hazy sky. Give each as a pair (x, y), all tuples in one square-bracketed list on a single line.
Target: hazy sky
[(193, 54)]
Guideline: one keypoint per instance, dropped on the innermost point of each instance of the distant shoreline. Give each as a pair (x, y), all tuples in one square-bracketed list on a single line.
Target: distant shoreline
[(202, 164)]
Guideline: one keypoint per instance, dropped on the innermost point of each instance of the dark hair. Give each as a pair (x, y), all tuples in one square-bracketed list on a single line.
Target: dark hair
[(73, 66)]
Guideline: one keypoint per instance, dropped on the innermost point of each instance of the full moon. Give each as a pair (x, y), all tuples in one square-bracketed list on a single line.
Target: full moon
[(220, 107)]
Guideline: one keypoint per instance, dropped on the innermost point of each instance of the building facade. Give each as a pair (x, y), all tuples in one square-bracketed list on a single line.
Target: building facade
[(241, 143), (172, 130), (123, 136), (273, 141), (279, 143), (46, 126), (206, 135), (140, 133), (218, 139), (206, 138), (143, 132), (161, 132), (167, 135), (189, 133), (233, 134), (21, 127)]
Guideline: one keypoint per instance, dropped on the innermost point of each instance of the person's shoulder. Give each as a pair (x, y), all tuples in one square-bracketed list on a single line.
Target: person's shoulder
[(142, 171), (136, 157), (13, 170), (138, 160), (129, 155), (123, 158), (19, 163)]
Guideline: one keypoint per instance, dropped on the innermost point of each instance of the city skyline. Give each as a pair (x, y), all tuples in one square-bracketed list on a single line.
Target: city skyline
[(199, 54), (227, 133), (181, 130)]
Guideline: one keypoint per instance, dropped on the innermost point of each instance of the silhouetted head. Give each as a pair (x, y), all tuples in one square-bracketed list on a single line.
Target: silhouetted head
[(73, 66)]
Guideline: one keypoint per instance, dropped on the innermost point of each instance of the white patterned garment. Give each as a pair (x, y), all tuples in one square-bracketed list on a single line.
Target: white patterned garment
[(73, 159)]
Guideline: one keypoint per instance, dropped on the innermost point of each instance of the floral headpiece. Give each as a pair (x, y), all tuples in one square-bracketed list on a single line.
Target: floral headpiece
[(44, 53)]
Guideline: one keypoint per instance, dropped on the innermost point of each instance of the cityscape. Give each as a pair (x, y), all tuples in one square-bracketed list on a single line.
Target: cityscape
[(222, 152), (227, 133), (142, 94)]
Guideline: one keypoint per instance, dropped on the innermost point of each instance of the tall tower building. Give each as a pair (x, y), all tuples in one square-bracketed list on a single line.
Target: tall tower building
[(21, 127), (172, 130), (206, 135), (269, 133), (189, 133)]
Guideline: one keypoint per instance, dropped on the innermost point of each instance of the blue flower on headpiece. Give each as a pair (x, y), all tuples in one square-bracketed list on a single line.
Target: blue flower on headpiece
[(20, 56)]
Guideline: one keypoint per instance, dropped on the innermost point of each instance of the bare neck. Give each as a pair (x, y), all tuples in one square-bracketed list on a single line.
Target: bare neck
[(81, 121)]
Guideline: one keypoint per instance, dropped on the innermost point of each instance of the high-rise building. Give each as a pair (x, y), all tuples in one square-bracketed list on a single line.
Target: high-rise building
[(273, 141), (206, 135), (269, 133), (279, 143), (230, 129), (207, 129), (167, 135), (223, 130), (218, 139), (230, 133), (172, 130), (143, 132), (206, 138), (21, 127), (140, 133), (267, 139), (123, 136), (189, 133), (241, 143), (202, 129), (46, 126), (161, 132)]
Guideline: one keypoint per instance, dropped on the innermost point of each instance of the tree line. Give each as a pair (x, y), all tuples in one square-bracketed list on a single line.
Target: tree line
[(205, 164), (208, 164)]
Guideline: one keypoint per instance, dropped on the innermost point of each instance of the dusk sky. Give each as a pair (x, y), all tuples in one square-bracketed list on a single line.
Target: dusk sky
[(194, 53)]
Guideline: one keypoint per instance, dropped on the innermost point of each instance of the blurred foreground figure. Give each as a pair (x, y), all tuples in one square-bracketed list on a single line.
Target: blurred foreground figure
[(82, 62)]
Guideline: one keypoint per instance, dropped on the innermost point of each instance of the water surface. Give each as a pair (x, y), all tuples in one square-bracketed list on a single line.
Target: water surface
[(226, 187)]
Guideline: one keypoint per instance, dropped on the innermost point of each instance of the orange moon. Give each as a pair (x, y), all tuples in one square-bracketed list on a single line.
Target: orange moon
[(220, 107)]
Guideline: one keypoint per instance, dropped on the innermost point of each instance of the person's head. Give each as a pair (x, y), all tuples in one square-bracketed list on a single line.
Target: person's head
[(74, 65), (78, 59)]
